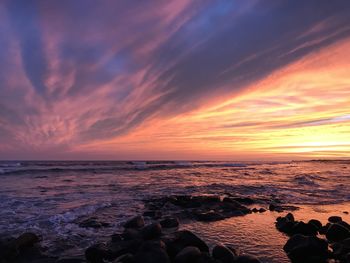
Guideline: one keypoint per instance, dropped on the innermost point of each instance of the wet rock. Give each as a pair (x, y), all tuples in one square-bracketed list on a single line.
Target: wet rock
[(247, 259), (337, 232), (341, 249), (27, 240), (92, 223), (8, 248), (324, 229), (70, 260), (208, 216), (136, 222), (117, 249), (273, 207), (206, 199), (242, 200), (281, 208), (186, 201), (347, 258), (201, 208), (316, 223), (304, 229), (344, 224), (151, 252), (334, 219), (181, 239), (169, 222), (223, 254), (116, 237), (188, 255), (97, 253), (302, 248), (234, 250), (131, 234), (285, 224), (151, 231), (206, 258), (126, 258), (153, 214), (290, 217)]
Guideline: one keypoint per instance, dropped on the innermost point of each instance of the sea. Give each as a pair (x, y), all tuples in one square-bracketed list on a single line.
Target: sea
[(52, 197)]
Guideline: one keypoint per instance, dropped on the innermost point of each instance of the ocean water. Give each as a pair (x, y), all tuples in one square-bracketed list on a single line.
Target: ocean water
[(52, 197)]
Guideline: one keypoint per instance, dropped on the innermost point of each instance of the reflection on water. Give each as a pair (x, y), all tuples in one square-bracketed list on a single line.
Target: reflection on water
[(255, 233), (50, 197)]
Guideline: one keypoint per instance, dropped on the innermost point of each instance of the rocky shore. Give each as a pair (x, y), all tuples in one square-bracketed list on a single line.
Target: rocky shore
[(208, 208), (157, 235), (313, 242)]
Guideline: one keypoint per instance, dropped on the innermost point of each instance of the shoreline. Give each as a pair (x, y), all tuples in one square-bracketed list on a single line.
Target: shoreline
[(253, 233)]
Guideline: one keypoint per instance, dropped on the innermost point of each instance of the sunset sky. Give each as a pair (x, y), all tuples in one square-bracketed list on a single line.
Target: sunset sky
[(184, 79)]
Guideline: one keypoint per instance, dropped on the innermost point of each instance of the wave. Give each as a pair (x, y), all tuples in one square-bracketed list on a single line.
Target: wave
[(58, 167), (305, 179), (71, 215)]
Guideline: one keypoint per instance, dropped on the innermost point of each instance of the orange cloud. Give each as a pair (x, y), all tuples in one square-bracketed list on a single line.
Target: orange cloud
[(300, 111)]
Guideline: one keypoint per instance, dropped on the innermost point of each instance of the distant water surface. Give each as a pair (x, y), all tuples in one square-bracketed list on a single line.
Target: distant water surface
[(51, 197)]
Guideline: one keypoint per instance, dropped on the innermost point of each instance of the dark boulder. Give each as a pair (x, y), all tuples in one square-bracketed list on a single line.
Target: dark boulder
[(27, 240), (274, 207), (347, 258), (234, 250), (344, 224), (188, 255), (334, 219), (324, 229), (131, 234), (169, 222), (151, 231), (126, 258), (290, 217), (97, 253), (316, 223), (243, 200), (156, 214), (181, 239), (207, 199), (247, 259), (206, 258), (209, 216), (186, 201), (285, 224), (337, 232), (116, 237), (70, 260), (119, 248), (224, 254), (304, 229), (8, 248), (340, 249), (281, 208), (302, 248), (151, 252), (136, 222)]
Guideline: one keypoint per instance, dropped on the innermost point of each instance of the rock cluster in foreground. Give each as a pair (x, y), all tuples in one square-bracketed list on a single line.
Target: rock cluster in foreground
[(161, 242), (313, 242), (208, 208), (158, 242)]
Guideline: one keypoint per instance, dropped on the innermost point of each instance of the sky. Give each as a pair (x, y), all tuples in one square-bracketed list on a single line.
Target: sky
[(184, 79)]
